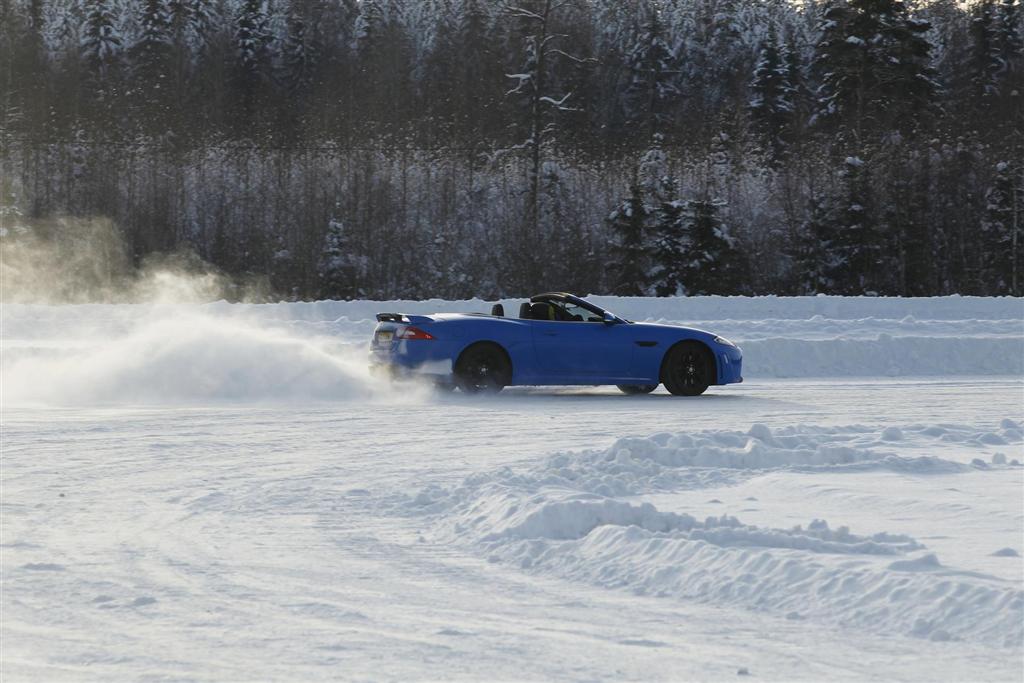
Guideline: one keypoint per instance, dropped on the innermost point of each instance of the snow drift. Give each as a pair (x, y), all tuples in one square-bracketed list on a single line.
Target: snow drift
[(581, 516)]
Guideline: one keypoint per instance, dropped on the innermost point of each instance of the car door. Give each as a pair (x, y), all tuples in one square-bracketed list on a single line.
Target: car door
[(582, 350)]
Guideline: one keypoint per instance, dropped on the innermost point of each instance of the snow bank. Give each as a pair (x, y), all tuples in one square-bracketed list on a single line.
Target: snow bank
[(688, 308), (577, 516), (167, 352)]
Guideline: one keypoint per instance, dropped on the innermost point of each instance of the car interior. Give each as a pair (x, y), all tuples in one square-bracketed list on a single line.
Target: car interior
[(550, 310)]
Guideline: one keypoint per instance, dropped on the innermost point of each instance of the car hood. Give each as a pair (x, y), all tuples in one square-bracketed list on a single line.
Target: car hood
[(666, 327)]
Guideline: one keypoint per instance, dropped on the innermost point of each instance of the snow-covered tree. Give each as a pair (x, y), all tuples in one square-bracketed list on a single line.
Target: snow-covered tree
[(301, 51), (874, 60), (252, 38), (252, 63), (811, 254), (1011, 36), (340, 267), (537, 100), (713, 263), (370, 28), (151, 53), (986, 63), (1002, 232), (669, 245), (654, 76), (860, 255), (562, 227), (101, 42), (772, 105), (628, 225)]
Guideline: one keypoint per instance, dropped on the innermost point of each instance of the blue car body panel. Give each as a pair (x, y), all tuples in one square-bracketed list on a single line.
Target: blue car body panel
[(545, 352)]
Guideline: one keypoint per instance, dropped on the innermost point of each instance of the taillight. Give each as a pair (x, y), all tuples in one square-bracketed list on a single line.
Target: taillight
[(413, 333)]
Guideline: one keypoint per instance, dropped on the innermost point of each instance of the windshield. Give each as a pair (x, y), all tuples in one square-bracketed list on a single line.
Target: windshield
[(576, 313)]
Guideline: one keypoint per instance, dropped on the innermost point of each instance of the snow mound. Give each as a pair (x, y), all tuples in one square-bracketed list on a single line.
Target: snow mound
[(784, 572), (184, 358), (576, 516), (665, 461)]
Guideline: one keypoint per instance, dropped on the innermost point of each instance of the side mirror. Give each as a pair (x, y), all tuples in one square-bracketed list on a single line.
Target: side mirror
[(609, 318)]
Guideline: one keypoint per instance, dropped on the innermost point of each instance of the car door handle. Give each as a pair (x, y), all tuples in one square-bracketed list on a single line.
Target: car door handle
[(647, 343), (550, 334)]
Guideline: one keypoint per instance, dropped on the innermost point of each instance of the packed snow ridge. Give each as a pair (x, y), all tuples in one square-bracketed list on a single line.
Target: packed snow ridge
[(580, 516)]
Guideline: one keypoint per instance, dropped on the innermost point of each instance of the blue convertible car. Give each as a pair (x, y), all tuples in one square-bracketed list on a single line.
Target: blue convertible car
[(558, 339)]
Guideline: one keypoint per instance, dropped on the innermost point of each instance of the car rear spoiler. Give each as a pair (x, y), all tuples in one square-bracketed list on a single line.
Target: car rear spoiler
[(403, 318)]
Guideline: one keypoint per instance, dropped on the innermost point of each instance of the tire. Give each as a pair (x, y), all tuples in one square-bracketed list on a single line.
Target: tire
[(635, 389), (688, 369), (483, 368)]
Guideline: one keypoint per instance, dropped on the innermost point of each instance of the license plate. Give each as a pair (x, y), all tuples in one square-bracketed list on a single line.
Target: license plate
[(384, 337)]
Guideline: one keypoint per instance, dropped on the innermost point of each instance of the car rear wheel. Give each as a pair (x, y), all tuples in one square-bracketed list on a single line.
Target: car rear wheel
[(482, 368), (688, 369), (633, 389)]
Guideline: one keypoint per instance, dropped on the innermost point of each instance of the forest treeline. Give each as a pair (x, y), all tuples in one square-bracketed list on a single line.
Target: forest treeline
[(456, 148)]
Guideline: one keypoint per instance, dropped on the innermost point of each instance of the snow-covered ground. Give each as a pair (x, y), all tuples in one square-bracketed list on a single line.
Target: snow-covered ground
[(221, 492)]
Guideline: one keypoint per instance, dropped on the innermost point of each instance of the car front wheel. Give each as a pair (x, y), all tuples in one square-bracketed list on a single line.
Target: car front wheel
[(688, 370)]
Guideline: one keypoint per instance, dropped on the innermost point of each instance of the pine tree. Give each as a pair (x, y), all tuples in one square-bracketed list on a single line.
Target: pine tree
[(333, 28), (653, 86), (629, 256), (664, 232), (796, 77), (339, 267), (986, 63), (252, 57), (462, 72), (384, 56), (670, 245), (281, 266), (713, 263), (150, 49), (1001, 232), (101, 43), (1010, 36), (811, 253), (369, 30), (252, 37), (860, 256), (300, 52), (562, 230), (201, 22), (874, 62), (151, 56), (772, 105), (656, 183)]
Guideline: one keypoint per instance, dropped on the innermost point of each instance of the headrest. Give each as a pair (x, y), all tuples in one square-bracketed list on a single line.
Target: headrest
[(541, 311), (498, 310), (524, 310)]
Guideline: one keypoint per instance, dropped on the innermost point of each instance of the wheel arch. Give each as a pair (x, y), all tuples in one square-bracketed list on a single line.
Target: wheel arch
[(689, 340)]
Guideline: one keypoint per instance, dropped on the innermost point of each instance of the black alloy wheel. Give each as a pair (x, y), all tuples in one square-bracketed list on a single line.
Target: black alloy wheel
[(482, 368), (688, 369)]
